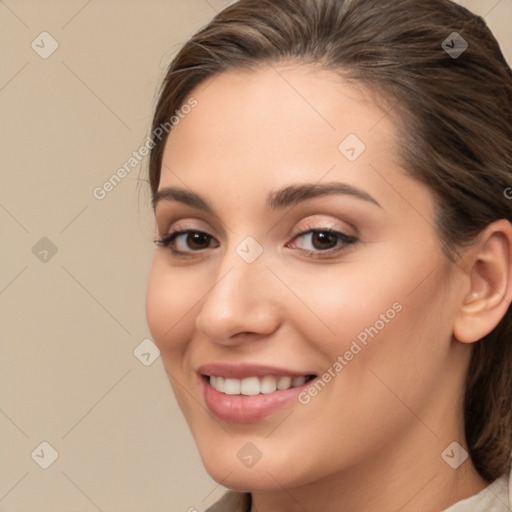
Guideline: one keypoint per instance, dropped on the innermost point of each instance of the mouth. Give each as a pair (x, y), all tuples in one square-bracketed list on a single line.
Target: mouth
[(249, 393), (255, 385)]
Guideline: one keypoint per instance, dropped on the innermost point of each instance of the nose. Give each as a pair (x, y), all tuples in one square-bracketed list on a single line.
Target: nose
[(240, 302)]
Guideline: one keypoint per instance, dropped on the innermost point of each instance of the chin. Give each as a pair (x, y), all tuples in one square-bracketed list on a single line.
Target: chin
[(270, 473), (245, 479)]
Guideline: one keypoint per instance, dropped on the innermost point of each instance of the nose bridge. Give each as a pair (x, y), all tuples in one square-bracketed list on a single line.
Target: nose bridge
[(234, 288), (238, 301), (236, 281)]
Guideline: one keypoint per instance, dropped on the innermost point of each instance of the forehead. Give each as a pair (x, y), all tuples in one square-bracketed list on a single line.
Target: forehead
[(277, 113), (256, 130), (272, 108)]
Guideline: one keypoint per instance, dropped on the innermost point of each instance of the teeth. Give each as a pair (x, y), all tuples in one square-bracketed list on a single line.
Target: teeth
[(255, 385), (296, 381), (232, 386), (268, 384), (284, 383), (250, 386)]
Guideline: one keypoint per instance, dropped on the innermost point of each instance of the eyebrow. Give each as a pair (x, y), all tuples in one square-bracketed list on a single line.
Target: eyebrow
[(294, 194), (286, 197), (182, 196)]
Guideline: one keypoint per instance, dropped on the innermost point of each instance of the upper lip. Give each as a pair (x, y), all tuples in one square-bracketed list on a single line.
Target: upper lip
[(243, 370)]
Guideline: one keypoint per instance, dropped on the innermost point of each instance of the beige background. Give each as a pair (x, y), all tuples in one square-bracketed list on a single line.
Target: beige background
[(70, 323)]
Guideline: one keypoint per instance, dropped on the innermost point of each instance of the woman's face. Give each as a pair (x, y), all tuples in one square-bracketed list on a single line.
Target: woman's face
[(306, 251)]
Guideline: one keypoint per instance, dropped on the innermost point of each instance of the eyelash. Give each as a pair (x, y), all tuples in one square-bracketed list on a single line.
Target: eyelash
[(347, 240), (167, 240)]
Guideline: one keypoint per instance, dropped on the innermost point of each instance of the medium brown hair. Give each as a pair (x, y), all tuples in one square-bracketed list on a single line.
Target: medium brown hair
[(454, 115)]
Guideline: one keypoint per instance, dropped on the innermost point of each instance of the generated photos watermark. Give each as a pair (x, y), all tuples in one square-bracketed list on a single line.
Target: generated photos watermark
[(357, 345), (100, 192)]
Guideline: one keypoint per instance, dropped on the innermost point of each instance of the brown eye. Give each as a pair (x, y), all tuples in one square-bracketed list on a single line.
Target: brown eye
[(187, 241), (322, 240), (197, 240)]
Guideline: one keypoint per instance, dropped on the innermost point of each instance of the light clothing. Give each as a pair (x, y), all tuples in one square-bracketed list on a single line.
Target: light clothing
[(232, 502), (496, 497)]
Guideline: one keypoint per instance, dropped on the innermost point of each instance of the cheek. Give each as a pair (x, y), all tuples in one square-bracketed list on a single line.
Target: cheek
[(169, 306), (342, 303), (385, 310), (393, 334)]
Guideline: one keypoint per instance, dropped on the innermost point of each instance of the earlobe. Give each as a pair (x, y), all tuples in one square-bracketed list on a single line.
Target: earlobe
[(489, 272)]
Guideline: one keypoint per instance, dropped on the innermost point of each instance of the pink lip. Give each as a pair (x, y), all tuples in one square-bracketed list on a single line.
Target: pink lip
[(241, 408), (243, 370)]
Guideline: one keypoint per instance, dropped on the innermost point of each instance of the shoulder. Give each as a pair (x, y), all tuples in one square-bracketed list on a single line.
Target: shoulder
[(496, 497), (232, 502)]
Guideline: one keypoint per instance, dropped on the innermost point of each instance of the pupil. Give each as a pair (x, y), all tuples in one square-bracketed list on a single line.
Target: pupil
[(197, 240), (325, 240)]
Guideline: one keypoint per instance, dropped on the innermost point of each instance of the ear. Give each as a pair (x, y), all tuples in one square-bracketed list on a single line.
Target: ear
[(488, 268)]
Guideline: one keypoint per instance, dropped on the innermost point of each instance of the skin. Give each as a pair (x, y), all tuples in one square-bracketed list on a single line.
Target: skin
[(372, 439)]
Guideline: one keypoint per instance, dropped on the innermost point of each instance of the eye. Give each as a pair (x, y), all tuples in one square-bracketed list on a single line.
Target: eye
[(324, 240), (187, 241)]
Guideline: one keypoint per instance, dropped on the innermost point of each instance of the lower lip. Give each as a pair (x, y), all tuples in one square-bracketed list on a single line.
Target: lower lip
[(247, 409)]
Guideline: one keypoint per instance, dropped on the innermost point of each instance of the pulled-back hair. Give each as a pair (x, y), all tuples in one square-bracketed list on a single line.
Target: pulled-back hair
[(453, 113)]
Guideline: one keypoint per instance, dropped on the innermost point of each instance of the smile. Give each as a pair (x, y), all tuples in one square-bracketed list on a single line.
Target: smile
[(250, 386), (245, 393)]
